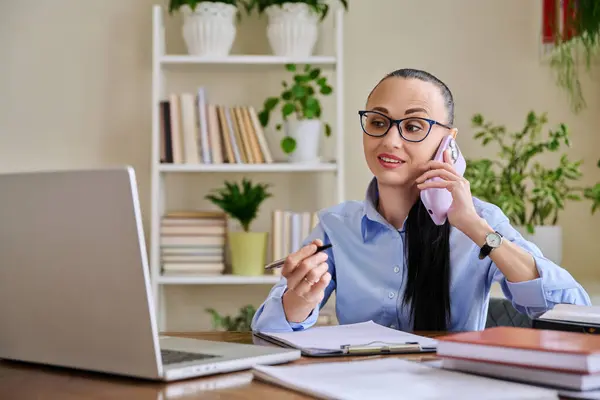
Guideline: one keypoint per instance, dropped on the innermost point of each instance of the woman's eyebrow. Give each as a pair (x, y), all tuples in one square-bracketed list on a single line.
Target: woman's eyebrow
[(415, 110), (381, 109), (407, 112)]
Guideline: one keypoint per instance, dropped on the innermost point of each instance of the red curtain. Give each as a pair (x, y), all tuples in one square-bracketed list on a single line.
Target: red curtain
[(549, 20), (558, 16), (569, 9)]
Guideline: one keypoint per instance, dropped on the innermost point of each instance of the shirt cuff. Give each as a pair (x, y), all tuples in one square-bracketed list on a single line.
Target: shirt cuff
[(308, 322), (530, 293), (270, 317)]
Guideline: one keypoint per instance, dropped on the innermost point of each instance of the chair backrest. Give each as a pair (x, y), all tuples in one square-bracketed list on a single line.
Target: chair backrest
[(502, 313)]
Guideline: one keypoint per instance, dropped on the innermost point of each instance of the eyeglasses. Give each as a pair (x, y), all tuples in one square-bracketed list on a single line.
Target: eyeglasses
[(412, 129)]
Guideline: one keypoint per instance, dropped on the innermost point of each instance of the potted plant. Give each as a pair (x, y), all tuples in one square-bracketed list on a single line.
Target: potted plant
[(301, 112), (530, 194), (292, 28), (240, 323), (241, 202), (209, 27), (576, 38)]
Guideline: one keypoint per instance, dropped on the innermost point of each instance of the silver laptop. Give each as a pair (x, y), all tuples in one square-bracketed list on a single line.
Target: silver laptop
[(74, 282)]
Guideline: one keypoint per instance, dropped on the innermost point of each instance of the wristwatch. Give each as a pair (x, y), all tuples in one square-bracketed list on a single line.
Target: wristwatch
[(492, 241)]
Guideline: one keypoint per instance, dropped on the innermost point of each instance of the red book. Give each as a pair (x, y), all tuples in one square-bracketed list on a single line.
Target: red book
[(544, 349)]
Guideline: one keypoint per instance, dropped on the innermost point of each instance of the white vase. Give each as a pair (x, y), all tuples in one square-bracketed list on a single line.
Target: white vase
[(548, 239), (210, 29), (292, 29), (307, 134)]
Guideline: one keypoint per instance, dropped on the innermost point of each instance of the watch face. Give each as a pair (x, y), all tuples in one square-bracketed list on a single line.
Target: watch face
[(493, 240)]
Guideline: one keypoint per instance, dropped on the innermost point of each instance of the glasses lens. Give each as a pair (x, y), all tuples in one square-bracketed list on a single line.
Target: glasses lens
[(375, 124), (415, 129)]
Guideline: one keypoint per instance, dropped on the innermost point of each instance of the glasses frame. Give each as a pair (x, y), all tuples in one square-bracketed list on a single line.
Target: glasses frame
[(397, 122)]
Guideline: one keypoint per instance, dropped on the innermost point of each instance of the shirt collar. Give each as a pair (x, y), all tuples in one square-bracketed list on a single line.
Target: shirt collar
[(372, 221)]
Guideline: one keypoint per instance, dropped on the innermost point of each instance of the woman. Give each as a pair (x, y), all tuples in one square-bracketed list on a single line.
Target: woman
[(389, 262)]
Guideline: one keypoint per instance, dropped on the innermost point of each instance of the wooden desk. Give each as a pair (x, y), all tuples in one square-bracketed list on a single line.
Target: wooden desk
[(26, 381)]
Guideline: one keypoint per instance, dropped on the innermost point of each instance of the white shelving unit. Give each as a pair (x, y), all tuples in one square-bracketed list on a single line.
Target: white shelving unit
[(161, 62)]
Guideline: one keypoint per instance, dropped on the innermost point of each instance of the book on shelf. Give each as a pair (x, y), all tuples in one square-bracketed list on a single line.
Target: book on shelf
[(193, 242), (195, 131), (289, 229)]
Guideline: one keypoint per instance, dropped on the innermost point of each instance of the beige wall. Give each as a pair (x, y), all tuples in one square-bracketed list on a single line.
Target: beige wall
[(75, 85)]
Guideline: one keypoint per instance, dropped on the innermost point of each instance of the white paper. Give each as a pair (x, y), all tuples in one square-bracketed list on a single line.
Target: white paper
[(586, 395), (333, 337), (393, 378)]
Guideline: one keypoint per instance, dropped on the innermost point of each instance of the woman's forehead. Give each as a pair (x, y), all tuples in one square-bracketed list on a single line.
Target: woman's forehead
[(397, 95)]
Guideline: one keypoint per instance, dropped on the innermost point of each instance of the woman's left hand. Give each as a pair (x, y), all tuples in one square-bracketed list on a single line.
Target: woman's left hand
[(462, 212)]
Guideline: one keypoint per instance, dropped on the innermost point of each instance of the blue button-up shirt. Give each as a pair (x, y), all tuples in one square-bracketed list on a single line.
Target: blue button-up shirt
[(368, 272)]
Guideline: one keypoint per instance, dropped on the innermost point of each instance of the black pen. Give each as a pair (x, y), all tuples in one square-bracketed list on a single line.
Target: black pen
[(279, 263)]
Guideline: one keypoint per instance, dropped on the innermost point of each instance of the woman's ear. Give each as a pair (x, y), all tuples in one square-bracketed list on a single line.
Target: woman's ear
[(454, 132)]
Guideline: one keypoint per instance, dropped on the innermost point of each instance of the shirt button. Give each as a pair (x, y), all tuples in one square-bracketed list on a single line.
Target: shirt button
[(391, 295), (396, 269)]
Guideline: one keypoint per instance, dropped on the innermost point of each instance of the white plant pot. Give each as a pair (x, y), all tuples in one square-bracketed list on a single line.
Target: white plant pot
[(307, 134), (292, 29), (210, 29), (548, 239)]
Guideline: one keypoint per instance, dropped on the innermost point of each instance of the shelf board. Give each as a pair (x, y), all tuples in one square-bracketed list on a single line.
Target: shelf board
[(274, 167), (218, 280), (246, 60)]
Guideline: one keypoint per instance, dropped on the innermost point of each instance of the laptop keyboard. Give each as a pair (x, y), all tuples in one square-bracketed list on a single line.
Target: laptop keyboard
[(174, 356)]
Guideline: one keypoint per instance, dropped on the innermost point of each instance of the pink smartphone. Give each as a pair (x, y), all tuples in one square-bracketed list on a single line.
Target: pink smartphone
[(438, 201)]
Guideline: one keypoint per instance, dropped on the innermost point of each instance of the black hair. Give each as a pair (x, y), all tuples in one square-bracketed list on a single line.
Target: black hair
[(427, 248)]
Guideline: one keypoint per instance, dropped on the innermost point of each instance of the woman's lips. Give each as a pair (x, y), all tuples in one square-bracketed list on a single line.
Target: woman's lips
[(389, 161)]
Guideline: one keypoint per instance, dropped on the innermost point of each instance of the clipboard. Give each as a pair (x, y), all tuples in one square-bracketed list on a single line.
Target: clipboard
[(364, 348)]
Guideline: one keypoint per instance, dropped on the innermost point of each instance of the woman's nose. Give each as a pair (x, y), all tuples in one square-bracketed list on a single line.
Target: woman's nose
[(393, 138)]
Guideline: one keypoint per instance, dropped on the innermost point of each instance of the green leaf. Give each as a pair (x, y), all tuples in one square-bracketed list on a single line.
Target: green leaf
[(288, 144), (314, 74), (327, 130), (530, 229), (326, 90), (287, 95), (301, 78), (299, 91), (278, 127), (271, 103), (263, 117), (312, 103), (290, 67), (477, 120), (288, 109)]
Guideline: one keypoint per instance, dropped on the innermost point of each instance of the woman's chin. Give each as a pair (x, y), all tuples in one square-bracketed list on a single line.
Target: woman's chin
[(392, 178)]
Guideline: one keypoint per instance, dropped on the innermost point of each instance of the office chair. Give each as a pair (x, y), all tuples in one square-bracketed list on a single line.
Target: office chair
[(502, 313)]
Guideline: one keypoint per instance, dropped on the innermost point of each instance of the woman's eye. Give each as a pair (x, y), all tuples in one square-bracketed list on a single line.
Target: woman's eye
[(378, 123), (413, 128)]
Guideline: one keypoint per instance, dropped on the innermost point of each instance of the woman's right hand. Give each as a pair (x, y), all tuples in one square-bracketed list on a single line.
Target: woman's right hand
[(307, 277)]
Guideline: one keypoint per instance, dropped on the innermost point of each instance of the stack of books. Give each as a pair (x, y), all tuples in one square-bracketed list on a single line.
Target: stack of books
[(196, 131), (193, 242), (289, 229), (564, 360)]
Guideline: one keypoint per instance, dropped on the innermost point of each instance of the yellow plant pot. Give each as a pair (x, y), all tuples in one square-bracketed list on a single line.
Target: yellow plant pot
[(248, 252)]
